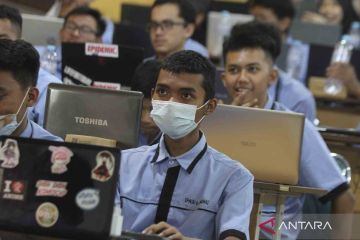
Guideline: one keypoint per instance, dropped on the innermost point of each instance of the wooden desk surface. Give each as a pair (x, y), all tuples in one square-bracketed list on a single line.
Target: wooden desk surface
[(274, 188)]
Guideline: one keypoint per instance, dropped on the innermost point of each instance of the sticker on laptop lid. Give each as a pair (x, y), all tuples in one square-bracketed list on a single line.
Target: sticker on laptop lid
[(47, 214), (14, 190), (47, 188), (60, 157), (88, 199), (9, 154), (105, 163), (107, 85), (102, 50)]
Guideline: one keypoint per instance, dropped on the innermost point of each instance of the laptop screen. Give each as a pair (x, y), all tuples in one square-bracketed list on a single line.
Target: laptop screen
[(266, 142), (94, 64), (94, 112), (57, 189)]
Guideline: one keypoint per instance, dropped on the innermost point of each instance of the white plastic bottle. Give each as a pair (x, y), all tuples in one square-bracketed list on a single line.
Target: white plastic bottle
[(49, 57), (355, 34), (342, 54)]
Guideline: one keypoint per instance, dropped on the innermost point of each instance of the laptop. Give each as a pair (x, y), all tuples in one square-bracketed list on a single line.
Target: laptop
[(215, 38), (135, 14), (49, 26), (322, 34), (57, 189), (101, 65), (266, 142), (94, 112)]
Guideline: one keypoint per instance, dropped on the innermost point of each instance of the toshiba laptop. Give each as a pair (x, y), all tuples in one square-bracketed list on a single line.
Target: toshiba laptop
[(96, 112), (57, 189), (215, 29), (39, 29), (100, 65), (266, 142)]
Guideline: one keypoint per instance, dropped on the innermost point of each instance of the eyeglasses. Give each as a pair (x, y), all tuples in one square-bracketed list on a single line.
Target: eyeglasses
[(166, 25), (83, 30)]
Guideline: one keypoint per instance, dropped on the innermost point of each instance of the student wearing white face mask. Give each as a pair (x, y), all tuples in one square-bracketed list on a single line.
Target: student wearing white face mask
[(181, 186), (19, 67)]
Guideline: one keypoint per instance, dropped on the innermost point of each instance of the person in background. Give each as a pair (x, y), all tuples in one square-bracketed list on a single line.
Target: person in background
[(249, 70), (156, 187), (61, 8), (281, 13), (19, 68), (172, 23), (81, 25), (286, 90), (144, 80), (11, 28)]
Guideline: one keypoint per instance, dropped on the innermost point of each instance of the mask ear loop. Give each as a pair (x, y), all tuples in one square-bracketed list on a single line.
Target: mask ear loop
[(205, 104), (25, 114)]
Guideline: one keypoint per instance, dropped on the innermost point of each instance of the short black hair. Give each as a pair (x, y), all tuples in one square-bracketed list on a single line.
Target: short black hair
[(21, 59), (100, 22), (14, 16), (187, 10), (281, 8), (145, 77), (254, 35), (188, 61)]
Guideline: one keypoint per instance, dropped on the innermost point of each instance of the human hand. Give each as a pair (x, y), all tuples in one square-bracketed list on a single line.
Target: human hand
[(346, 74), (240, 101), (164, 229)]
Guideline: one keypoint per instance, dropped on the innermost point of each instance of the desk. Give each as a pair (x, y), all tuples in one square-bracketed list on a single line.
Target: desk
[(338, 113), (274, 194)]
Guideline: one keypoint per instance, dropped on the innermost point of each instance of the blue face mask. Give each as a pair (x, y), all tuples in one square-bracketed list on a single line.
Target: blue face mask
[(9, 123)]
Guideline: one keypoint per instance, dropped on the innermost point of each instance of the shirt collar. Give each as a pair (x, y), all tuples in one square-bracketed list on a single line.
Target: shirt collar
[(187, 160), (269, 103)]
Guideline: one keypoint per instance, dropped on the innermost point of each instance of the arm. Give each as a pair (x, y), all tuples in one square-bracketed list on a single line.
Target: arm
[(233, 217)]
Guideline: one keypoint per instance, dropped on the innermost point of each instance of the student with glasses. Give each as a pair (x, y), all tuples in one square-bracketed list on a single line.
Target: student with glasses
[(81, 25), (172, 23)]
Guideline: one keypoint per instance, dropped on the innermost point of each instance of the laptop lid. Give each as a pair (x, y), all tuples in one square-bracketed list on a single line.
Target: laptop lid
[(94, 112), (57, 189), (322, 34), (90, 64), (215, 29), (266, 142), (50, 27)]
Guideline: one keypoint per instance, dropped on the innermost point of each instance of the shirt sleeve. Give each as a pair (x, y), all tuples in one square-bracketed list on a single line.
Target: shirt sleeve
[(317, 168), (307, 106), (233, 216)]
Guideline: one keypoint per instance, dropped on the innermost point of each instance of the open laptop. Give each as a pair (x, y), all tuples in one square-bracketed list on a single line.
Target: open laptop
[(94, 112), (38, 30), (57, 189), (101, 65), (215, 38), (266, 142), (311, 33)]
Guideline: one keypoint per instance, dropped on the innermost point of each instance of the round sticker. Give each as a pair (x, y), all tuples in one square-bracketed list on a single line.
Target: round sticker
[(88, 199), (47, 214)]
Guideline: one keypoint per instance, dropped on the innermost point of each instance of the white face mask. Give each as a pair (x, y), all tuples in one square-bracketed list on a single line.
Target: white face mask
[(174, 119), (8, 129)]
